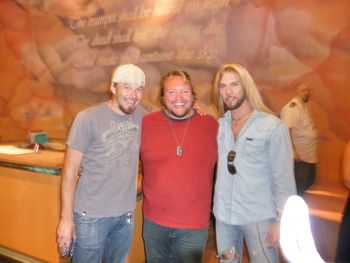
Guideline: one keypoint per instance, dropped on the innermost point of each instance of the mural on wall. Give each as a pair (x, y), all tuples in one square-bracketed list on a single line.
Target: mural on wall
[(57, 55)]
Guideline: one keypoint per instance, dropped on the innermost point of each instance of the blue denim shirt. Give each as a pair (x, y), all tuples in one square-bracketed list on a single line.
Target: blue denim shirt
[(264, 164)]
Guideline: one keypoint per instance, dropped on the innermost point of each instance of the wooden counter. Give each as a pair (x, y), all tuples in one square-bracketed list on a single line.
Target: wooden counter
[(30, 204), (49, 159)]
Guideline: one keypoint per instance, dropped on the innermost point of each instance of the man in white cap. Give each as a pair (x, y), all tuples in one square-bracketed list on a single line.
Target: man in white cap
[(97, 206)]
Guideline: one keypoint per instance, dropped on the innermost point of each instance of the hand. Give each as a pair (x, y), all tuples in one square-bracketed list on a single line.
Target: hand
[(273, 236), (65, 235), (199, 109)]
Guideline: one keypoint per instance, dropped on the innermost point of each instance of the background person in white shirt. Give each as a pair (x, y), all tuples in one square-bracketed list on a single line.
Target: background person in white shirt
[(297, 117)]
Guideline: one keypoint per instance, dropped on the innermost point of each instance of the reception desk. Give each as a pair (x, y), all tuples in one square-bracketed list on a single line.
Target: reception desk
[(30, 206)]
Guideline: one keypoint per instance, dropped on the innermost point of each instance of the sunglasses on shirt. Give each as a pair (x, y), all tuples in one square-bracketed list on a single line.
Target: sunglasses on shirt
[(230, 166)]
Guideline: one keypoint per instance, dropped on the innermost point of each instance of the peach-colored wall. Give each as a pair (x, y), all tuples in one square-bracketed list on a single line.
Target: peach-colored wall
[(56, 57)]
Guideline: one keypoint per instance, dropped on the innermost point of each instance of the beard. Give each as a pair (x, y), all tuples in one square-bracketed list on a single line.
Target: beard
[(177, 115), (236, 105), (126, 110)]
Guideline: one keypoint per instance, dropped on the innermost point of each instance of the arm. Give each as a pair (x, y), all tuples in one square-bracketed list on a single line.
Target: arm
[(281, 156), (273, 234), (296, 155), (346, 165), (289, 118), (66, 229)]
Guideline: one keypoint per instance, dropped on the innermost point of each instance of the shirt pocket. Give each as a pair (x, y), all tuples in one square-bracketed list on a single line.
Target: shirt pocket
[(254, 150)]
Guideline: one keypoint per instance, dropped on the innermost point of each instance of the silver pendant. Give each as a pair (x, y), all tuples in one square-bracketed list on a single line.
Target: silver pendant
[(179, 150)]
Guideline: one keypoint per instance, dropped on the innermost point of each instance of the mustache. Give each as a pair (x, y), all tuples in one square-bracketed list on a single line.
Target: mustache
[(230, 97)]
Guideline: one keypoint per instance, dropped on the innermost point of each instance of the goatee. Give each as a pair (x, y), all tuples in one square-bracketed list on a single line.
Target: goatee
[(236, 105), (127, 110)]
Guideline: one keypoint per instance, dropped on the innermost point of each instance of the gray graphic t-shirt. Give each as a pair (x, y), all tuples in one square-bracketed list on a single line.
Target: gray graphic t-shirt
[(110, 143)]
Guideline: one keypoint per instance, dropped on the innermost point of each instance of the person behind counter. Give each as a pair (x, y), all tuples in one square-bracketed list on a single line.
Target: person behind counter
[(254, 170), (97, 208), (178, 152)]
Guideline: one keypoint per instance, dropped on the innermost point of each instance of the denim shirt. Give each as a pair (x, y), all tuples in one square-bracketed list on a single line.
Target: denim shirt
[(264, 163)]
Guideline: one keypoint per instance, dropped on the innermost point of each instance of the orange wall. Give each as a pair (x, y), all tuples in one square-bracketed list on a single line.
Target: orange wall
[(56, 57)]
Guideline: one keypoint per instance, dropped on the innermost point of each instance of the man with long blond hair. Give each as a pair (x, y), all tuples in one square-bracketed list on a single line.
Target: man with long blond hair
[(254, 171)]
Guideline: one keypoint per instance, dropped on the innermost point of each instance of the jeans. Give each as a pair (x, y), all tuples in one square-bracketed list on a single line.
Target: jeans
[(305, 174), (173, 245), (229, 238), (107, 239)]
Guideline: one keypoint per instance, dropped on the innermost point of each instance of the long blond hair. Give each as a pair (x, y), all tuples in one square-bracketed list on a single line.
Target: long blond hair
[(250, 89)]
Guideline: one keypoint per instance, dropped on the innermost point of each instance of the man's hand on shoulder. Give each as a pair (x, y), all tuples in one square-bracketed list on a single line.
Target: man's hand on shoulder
[(199, 109)]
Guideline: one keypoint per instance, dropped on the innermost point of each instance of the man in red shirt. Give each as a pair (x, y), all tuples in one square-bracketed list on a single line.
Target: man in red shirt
[(179, 153)]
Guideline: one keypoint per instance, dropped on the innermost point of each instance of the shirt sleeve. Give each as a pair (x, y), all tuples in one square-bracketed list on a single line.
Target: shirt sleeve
[(80, 135), (289, 116), (281, 156)]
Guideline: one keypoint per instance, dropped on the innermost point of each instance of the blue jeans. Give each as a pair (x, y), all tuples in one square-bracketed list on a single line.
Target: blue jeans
[(230, 238), (173, 245), (107, 239)]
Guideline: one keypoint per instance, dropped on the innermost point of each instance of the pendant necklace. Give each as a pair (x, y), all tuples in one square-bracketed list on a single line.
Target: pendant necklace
[(179, 146), (244, 115), (237, 129)]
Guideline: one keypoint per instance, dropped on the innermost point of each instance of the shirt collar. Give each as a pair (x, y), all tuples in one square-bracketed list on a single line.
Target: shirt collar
[(299, 102), (227, 115)]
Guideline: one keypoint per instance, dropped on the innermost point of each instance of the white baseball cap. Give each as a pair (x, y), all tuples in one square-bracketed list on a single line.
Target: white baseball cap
[(128, 74)]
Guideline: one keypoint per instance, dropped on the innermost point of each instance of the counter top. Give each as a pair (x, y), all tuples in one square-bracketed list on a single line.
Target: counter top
[(44, 161), (43, 158)]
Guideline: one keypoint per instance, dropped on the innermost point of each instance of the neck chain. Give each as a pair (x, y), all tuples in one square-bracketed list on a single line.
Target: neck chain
[(179, 146), (244, 115)]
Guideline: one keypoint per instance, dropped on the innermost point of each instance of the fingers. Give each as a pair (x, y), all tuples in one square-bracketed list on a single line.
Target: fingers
[(64, 240), (272, 241), (273, 245), (64, 248)]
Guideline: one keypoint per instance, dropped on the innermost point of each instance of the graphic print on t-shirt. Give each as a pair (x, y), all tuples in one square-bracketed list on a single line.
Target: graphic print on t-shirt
[(119, 138)]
